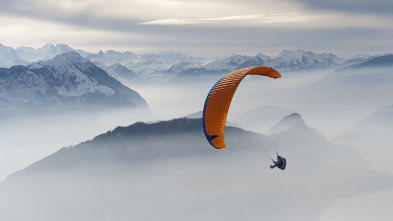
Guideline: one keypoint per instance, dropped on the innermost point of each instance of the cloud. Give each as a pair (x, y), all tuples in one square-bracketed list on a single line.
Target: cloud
[(90, 12), (376, 7), (250, 19), (120, 15), (197, 26)]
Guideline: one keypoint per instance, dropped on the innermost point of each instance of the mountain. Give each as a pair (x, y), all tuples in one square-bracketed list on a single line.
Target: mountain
[(153, 67), (285, 61), (140, 63), (146, 66), (184, 65), (166, 65), (356, 60), (126, 74), (137, 143), (214, 69), (354, 86), (374, 62), (111, 57), (287, 123), (122, 74), (379, 126), (261, 118), (46, 52), (294, 123), (67, 79), (301, 60), (8, 57), (168, 167), (373, 137), (168, 57), (172, 139), (195, 115)]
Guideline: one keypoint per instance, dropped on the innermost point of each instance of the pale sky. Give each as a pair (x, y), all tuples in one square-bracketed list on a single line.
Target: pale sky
[(201, 27)]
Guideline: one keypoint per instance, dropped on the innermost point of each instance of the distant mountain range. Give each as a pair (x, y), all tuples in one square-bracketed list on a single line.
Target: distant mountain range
[(379, 124), (131, 69), (68, 80), (377, 61), (122, 74), (182, 67), (141, 64), (46, 52), (373, 137), (285, 61), (356, 85)]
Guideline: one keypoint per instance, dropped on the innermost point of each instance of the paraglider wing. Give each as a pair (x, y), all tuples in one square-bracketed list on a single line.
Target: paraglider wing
[(218, 100)]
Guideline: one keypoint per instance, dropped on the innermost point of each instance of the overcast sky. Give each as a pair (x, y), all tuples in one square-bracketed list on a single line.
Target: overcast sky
[(201, 27)]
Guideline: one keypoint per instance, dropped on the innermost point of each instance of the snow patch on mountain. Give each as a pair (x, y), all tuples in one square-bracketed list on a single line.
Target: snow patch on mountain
[(184, 65), (301, 59), (88, 86), (285, 61), (71, 66), (111, 57), (63, 80), (46, 52)]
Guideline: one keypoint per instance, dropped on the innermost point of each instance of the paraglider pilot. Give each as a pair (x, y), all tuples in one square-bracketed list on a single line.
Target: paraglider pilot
[(281, 163)]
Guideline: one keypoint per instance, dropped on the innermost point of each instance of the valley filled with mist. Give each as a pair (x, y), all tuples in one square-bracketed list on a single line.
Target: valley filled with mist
[(119, 136)]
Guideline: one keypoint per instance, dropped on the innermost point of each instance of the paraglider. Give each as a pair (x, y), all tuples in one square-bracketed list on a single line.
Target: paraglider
[(281, 163), (218, 100)]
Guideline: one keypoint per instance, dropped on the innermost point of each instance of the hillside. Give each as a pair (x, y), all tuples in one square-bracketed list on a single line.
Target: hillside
[(373, 138), (65, 80), (168, 167), (377, 61)]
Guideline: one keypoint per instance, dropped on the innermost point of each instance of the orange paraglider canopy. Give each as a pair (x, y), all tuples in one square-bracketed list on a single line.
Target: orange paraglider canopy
[(218, 100)]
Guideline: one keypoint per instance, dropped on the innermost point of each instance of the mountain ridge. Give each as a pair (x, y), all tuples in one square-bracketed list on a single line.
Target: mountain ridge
[(66, 79), (179, 67), (170, 165), (375, 61), (285, 61), (165, 140)]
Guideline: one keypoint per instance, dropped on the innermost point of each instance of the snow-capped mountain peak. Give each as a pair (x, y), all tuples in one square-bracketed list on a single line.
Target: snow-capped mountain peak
[(305, 59), (46, 52), (70, 68), (66, 79), (67, 60)]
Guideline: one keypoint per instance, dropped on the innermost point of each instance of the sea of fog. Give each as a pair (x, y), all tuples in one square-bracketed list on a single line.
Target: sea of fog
[(28, 138)]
